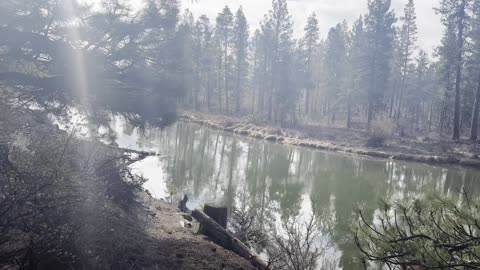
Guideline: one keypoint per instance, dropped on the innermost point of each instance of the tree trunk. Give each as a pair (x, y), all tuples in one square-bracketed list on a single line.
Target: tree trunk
[(393, 101), (349, 111), (458, 79), (307, 101), (208, 91), (476, 107), (254, 83), (237, 86), (226, 77), (369, 115), (430, 116), (220, 84)]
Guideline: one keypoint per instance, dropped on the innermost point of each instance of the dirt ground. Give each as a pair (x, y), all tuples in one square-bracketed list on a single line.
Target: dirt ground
[(175, 244), (428, 149)]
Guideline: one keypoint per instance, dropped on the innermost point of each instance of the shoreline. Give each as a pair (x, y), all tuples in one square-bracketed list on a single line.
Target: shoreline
[(297, 138), (176, 242)]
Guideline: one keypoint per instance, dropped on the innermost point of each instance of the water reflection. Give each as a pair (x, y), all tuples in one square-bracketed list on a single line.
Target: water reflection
[(281, 181)]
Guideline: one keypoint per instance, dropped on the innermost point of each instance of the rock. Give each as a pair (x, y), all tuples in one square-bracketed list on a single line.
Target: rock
[(244, 132), (271, 138), (259, 136)]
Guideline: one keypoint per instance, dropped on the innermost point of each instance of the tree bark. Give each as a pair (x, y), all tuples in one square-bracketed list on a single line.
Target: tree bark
[(476, 107), (458, 79), (349, 111), (226, 76)]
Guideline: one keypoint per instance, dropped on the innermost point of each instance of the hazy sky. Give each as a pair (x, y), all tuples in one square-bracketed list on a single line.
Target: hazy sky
[(329, 13)]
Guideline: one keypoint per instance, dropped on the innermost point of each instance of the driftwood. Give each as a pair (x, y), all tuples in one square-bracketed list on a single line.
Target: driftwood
[(226, 239)]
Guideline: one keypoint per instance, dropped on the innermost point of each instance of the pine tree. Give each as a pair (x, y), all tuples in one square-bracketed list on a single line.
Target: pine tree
[(446, 65), (419, 90), (379, 37), (461, 20), (203, 57), (357, 67), (282, 96), (454, 16), (241, 34), (224, 35), (256, 69), (309, 46), (475, 63), (335, 61), (408, 39)]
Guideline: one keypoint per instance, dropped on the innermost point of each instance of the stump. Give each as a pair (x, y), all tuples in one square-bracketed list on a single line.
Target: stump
[(182, 205), (219, 214)]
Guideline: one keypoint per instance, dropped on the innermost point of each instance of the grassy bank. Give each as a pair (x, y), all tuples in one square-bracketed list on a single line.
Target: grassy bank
[(426, 150)]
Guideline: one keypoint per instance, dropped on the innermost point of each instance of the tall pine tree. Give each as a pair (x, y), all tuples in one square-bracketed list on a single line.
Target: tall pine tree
[(241, 34), (379, 36)]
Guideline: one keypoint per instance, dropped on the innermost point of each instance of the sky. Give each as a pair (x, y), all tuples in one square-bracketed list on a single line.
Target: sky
[(329, 13)]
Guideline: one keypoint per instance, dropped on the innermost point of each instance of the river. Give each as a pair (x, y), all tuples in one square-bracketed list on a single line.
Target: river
[(282, 181)]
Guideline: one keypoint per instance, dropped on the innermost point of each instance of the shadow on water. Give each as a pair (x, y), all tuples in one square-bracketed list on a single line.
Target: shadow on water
[(283, 182)]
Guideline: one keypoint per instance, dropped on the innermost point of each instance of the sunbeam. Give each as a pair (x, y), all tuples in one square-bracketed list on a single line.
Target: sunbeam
[(76, 62)]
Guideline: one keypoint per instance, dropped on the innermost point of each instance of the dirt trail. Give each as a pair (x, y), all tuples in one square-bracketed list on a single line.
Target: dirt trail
[(424, 149)]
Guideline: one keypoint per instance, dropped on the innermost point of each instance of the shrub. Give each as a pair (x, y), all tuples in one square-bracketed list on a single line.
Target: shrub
[(379, 132)]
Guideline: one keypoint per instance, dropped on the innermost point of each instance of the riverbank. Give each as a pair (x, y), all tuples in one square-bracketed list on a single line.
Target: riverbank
[(425, 150), (175, 243), (68, 202)]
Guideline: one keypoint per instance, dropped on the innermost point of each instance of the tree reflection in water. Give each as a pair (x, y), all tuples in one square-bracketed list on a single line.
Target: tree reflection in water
[(282, 182)]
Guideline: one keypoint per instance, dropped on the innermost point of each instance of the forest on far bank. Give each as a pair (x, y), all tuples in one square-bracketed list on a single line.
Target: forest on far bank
[(370, 72)]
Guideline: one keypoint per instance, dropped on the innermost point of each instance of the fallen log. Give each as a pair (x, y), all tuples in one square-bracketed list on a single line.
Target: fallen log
[(226, 239)]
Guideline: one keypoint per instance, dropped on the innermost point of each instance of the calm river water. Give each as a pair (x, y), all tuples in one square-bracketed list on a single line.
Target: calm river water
[(282, 181)]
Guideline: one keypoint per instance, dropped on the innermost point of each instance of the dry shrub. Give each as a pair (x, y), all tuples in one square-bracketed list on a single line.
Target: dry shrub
[(245, 226), (64, 202), (296, 246), (380, 131)]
